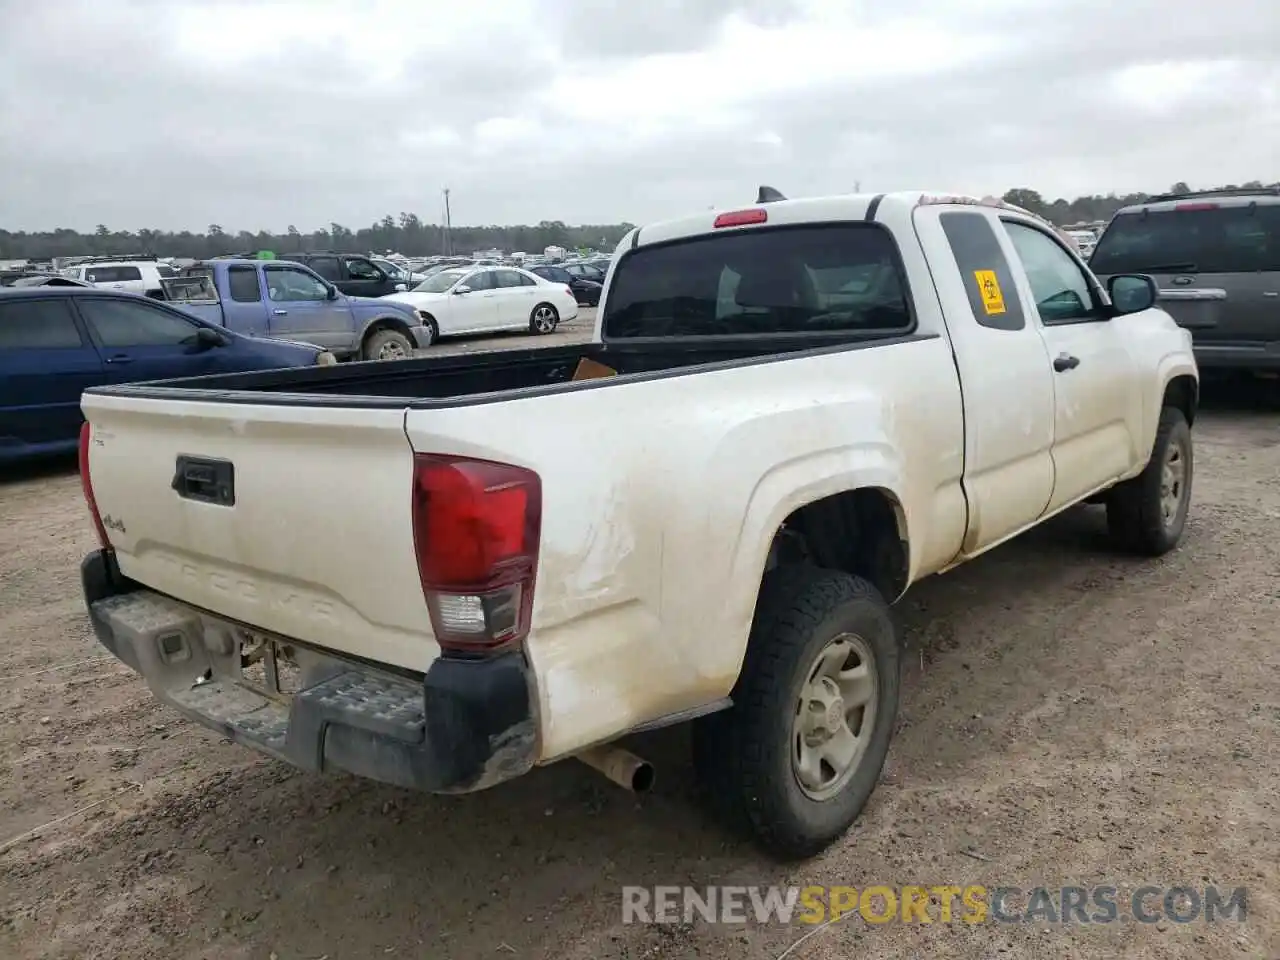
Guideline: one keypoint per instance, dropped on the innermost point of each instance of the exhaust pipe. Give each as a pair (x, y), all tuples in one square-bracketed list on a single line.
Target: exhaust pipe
[(621, 766)]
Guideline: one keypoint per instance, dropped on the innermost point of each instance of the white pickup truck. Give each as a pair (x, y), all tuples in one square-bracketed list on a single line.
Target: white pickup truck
[(441, 572)]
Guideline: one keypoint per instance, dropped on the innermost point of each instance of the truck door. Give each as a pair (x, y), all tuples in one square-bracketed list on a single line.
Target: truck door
[(1097, 404), (1005, 375), (140, 340), (300, 308)]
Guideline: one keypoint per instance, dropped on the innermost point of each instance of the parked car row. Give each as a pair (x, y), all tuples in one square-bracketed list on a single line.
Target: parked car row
[(284, 299), (142, 276), (61, 334)]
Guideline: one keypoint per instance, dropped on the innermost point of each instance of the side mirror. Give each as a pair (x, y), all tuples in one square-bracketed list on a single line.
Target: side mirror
[(1131, 293), (401, 288), (461, 289), (207, 338), (332, 294)]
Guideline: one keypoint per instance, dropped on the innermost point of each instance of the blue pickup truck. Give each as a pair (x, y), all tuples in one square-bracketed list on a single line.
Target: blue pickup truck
[(284, 300)]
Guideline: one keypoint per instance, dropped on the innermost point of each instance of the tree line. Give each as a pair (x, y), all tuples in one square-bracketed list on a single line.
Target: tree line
[(411, 236), (406, 234)]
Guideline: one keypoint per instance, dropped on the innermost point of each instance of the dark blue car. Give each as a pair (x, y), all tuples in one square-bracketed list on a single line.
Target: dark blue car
[(56, 341)]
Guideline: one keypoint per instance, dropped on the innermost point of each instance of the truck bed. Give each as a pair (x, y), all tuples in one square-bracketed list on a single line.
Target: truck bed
[(484, 377)]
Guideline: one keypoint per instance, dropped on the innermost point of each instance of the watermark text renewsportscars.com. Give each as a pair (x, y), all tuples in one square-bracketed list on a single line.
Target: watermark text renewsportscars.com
[(940, 903)]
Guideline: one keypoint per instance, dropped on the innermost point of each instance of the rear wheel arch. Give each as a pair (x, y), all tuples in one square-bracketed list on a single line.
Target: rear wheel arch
[(862, 532)]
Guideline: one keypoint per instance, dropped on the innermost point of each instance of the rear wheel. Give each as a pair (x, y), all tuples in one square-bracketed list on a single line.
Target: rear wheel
[(796, 757), (1148, 513), (544, 319), (387, 345)]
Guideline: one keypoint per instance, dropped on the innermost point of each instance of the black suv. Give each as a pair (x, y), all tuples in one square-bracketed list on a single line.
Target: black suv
[(1216, 257), (352, 273)]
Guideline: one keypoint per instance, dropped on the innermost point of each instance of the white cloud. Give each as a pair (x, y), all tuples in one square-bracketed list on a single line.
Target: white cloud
[(264, 113)]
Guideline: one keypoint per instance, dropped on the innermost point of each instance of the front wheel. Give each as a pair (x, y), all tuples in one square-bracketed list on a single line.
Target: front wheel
[(544, 319), (796, 757), (1147, 514), (433, 331), (387, 345)]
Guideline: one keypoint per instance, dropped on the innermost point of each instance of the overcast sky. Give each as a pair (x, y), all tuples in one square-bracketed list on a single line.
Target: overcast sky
[(256, 115)]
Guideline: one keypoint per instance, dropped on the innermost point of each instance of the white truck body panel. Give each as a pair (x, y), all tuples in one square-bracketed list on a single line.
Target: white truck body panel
[(295, 557), (661, 495)]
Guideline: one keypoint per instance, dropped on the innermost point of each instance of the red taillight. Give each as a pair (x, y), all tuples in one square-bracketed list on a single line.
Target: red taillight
[(86, 485), (741, 218), (568, 290), (1185, 207), (476, 529)]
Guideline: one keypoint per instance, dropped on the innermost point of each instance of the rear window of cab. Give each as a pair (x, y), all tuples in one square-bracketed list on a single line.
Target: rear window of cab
[(836, 278)]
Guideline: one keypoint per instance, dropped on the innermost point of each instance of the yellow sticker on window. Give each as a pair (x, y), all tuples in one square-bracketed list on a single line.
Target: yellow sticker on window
[(992, 298)]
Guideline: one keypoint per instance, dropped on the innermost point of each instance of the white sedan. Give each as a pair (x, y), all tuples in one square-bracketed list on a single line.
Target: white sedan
[(488, 299)]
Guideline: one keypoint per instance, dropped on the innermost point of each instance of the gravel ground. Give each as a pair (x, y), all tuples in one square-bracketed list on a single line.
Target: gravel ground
[(1070, 717)]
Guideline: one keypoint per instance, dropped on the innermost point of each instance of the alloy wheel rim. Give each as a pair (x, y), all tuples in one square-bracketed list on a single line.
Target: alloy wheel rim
[(1173, 483)]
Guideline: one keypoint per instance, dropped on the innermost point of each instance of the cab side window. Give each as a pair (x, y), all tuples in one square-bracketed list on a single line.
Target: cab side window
[(1062, 291), (988, 281), (360, 269), (290, 284)]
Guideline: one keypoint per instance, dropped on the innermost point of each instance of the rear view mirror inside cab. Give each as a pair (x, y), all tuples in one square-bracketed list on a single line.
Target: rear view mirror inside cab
[(1132, 293)]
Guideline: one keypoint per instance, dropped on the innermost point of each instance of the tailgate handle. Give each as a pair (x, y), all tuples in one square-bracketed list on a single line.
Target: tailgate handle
[(206, 480)]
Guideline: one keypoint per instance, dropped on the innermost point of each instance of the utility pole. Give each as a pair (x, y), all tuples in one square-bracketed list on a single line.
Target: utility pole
[(448, 224)]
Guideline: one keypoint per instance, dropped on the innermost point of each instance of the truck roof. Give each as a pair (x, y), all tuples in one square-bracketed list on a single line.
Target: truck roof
[(1205, 199), (840, 207)]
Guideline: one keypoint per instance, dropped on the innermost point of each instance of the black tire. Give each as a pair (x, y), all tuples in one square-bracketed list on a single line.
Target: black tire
[(744, 754), (1136, 516), (387, 345), (544, 318)]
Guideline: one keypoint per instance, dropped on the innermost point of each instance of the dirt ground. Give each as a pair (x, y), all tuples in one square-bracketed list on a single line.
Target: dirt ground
[(1070, 717)]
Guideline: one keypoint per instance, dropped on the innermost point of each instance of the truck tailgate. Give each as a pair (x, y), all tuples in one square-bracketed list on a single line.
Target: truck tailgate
[(314, 542)]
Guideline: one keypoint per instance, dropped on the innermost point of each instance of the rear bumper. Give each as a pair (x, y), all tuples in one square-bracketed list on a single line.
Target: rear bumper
[(462, 727)]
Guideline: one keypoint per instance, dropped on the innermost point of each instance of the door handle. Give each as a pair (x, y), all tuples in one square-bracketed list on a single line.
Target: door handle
[(1270, 293), (280, 313), (120, 359), (1064, 362)]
